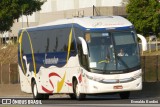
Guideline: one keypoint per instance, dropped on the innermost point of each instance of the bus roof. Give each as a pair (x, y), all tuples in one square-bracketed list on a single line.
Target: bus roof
[(89, 22)]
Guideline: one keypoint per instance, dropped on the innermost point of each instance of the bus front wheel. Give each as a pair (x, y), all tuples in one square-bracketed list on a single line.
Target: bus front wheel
[(72, 96), (36, 95), (124, 95), (79, 96)]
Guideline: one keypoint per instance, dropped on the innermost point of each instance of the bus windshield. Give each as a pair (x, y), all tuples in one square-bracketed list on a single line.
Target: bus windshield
[(113, 52)]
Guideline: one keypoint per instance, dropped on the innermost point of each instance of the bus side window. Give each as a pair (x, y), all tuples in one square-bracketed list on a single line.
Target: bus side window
[(51, 40), (65, 39), (62, 39), (73, 47), (26, 44), (47, 46)]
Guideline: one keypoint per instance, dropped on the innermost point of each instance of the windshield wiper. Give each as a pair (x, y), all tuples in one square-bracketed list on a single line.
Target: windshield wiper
[(97, 70), (120, 59)]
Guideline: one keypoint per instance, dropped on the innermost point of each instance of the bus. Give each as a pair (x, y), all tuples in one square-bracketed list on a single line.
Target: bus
[(80, 56)]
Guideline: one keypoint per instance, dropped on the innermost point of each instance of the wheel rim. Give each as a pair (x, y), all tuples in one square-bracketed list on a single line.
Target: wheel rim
[(77, 91), (35, 90)]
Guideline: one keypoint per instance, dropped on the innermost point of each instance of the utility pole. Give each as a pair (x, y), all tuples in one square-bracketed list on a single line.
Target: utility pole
[(93, 9)]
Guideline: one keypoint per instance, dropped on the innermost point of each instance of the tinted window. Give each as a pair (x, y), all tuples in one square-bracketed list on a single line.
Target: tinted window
[(55, 40), (25, 44)]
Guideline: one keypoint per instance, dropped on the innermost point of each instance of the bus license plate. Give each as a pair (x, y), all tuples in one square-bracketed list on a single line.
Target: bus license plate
[(118, 87)]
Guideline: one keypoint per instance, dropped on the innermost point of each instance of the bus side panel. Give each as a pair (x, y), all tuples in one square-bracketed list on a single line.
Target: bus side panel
[(57, 79), (47, 51), (24, 82), (23, 66), (73, 71), (51, 51)]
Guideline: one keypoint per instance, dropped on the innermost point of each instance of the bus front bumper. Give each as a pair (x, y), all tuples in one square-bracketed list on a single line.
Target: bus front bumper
[(94, 87)]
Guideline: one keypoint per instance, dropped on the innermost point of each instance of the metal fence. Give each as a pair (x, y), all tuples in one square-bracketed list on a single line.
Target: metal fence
[(150, 67)]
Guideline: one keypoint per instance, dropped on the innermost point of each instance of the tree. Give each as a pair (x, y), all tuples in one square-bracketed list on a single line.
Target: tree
[(145, 15), (12, 9)]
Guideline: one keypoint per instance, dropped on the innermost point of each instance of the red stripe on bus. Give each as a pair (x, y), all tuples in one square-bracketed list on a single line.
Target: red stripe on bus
[(46, 90)]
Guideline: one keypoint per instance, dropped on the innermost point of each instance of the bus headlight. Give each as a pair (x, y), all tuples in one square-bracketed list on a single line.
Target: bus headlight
[(94, 78)]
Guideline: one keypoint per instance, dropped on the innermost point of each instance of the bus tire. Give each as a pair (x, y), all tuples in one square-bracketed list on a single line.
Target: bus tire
[(36, 95), (78, 95), (124, 95), (72, 96), (45, 96)]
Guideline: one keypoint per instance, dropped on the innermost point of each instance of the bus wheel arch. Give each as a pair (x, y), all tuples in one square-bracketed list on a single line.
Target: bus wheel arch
[(73, 80), (77, 94), (35, 93), (32, 80), (72, 95)]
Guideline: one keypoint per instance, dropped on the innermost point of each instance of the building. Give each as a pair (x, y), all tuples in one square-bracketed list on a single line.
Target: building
[(58, 9)]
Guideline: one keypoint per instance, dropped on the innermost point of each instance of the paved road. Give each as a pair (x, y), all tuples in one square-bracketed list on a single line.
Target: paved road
[(97, 101), (149, 96), (136, 98)]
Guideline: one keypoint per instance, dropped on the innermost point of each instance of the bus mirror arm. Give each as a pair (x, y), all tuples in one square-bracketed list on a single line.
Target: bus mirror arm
[(144, 42), (84, 45)]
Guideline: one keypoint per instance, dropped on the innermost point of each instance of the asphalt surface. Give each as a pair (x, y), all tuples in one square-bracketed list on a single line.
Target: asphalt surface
[(149, 96)]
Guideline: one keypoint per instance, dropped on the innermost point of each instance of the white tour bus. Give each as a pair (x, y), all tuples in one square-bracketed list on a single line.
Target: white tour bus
[(80, 56)]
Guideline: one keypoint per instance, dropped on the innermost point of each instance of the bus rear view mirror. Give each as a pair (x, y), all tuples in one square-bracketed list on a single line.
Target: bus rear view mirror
[(143, 42), (84, 45)]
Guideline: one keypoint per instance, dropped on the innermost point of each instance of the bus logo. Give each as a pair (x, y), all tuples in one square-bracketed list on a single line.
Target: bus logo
[(50, 60)]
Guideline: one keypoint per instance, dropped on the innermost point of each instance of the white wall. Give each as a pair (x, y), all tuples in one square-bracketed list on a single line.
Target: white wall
[(86, 3), (65, 5), (5, 34), (90, 3), (49, 6), (111, 2), (60, 5), (32, 18)]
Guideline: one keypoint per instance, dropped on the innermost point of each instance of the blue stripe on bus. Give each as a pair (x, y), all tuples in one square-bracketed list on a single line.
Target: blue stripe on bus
[(41, 61), (112, 28), (78, 26), (55, 26)]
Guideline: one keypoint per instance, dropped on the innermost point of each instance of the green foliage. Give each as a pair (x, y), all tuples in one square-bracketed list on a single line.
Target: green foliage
[(12, 9), (145, 15)]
